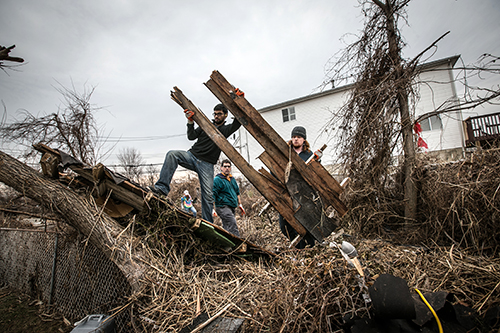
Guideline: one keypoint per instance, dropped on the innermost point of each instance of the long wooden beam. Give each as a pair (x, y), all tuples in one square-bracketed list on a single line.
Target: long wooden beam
[(251, 126), (317, 176), (281, 200)]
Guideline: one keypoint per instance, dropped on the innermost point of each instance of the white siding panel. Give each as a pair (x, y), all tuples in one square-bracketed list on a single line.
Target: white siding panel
[(315, 114)]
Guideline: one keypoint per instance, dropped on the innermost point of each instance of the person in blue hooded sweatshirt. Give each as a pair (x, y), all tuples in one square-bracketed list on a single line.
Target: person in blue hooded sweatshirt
[(227, 198)]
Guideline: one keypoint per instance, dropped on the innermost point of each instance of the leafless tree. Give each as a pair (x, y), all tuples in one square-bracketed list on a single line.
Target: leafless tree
[(73, 128), (378, 111), (132, 163), (378, 117)]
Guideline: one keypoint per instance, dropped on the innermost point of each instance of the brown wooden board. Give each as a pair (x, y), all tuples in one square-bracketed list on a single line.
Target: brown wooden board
[(279, 200), (275, 168), (252, 120)]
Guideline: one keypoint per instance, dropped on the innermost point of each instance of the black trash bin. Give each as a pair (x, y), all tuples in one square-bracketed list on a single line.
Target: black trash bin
[(97, 323)]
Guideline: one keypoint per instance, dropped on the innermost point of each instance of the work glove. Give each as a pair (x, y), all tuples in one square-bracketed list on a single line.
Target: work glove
[(189, 115), (318, 154), (214, 214), (242, 210), (238, 92)]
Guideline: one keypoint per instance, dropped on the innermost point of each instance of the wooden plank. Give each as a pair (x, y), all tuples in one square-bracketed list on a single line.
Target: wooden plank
[(98, 172), (113, 209), (271, 179), (119, 193), (49, 164), (248, 122), (278, 200), (125, 191), (275, 168), (319, 179)]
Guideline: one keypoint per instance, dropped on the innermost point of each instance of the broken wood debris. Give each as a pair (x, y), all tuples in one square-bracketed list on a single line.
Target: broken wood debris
[(312, 189), (119, 196)]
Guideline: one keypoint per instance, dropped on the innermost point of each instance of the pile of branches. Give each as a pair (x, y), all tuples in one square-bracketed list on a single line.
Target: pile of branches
[(459, 204), (296, 291)]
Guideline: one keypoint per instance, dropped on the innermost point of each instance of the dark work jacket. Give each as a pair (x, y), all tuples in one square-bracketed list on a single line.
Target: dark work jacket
[(304, 155), (204, 148)]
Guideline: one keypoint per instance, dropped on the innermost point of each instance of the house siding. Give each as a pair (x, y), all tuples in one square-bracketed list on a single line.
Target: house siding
[(314, 112)]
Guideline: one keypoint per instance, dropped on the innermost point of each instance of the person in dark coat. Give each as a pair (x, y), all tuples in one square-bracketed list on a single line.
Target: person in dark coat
[(300, 145), (200, 158), (227, 198)]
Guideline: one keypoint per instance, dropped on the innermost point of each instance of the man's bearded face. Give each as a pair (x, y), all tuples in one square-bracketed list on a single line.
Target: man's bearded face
[(219, 117), (297, 141)]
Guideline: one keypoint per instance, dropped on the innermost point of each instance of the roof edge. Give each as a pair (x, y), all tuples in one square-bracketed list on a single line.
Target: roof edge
[(449, 60)]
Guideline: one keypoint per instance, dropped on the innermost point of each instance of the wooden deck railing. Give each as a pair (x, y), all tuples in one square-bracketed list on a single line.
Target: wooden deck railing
[(482, 128)]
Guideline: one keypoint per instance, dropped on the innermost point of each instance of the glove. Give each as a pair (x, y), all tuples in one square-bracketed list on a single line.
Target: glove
[(318, 154), (189, 115), (242, 210), (214, 214), (238, 92)]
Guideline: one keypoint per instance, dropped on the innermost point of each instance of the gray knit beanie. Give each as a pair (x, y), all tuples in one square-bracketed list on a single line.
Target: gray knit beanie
[(299, 131)]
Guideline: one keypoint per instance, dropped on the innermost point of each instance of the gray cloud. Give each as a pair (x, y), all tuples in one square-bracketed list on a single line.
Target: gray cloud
[(135, 52)]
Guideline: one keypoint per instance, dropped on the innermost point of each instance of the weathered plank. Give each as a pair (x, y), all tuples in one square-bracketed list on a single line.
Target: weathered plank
[(125, 192), (276, 169), (279, 200), (317, 177)]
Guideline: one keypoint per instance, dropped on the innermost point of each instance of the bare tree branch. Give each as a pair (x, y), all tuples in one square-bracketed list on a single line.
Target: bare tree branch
[(72, 128)]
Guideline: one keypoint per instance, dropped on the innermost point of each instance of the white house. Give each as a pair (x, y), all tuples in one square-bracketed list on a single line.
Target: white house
[(442, 133)]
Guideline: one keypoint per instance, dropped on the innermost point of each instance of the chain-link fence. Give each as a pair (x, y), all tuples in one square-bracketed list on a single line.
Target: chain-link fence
[(75, 277)]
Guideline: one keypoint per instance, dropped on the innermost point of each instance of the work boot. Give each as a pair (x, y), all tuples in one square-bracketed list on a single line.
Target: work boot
[(157, 191)]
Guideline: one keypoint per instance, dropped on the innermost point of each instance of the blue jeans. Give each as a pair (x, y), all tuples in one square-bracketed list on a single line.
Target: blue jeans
[(190, 210), (205, 173)]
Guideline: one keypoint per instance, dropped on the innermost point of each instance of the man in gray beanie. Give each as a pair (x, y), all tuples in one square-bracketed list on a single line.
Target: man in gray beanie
[(301, 147)]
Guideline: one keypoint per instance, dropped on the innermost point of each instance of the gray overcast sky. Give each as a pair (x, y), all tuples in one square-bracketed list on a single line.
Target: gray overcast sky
[(134, 52)]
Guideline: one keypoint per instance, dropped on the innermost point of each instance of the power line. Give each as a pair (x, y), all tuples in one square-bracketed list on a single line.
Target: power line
[(132, 165), (138, 138)]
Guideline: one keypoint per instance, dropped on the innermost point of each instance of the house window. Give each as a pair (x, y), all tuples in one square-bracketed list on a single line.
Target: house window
[(288, 114), (431, 123)]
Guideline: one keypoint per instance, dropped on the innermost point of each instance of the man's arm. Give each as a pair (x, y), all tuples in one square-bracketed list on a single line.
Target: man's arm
[(193, 133), (215, 187), (227, 130)]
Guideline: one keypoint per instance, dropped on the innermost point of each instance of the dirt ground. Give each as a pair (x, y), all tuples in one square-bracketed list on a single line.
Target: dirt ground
[(20, 314)]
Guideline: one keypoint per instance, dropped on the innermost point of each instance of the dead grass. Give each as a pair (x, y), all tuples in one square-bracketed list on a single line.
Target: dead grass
[(452, 247)]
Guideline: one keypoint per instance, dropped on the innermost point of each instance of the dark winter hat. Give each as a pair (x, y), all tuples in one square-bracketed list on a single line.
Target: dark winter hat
[(299, 131), (220, 107)]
